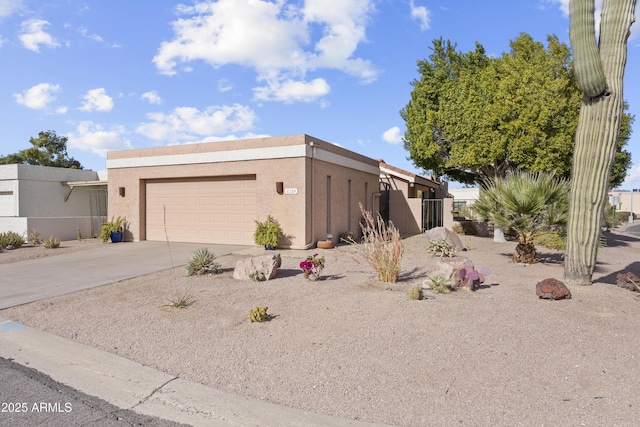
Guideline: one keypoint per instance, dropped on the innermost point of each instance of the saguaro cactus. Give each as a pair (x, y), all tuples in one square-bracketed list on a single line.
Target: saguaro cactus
[(599, 70)]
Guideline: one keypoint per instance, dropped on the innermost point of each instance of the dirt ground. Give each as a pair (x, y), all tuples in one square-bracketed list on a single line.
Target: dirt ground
[(351, 346)]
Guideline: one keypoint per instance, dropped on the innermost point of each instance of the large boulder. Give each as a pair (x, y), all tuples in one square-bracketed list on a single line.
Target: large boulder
[(440, 233), (266, 264), (552, 289)]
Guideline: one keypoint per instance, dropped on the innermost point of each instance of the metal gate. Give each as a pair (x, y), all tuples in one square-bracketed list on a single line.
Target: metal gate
[(432, 213), (98, 204)]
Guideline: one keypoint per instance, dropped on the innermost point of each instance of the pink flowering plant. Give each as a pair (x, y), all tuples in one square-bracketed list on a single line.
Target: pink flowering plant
[(312, 267)]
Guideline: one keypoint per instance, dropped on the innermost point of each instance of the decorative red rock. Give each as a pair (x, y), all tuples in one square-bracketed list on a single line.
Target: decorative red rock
[(552, 289)]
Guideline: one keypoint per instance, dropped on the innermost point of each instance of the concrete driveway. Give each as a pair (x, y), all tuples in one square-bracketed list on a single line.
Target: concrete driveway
[(36, 279)]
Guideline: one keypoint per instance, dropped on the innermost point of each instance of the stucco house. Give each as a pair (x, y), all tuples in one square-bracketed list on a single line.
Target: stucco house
[(213, 192), (412, 202), (53, 201)]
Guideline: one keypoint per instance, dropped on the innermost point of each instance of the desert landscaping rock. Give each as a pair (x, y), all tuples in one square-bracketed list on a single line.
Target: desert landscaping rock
[(552, 289), (266, 264), (450, 268), (440, 233)]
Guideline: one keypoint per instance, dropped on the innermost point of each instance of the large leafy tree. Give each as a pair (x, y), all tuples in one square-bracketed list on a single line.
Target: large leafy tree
[(473, 117), (48, 149)]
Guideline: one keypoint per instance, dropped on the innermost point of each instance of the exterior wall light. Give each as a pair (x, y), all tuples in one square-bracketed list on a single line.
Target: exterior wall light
[(121, 191), (280, 187)]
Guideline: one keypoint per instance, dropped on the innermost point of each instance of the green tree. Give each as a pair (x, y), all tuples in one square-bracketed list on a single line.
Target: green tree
[(472, 117), (600, 67), (531, 204), (48, 149)]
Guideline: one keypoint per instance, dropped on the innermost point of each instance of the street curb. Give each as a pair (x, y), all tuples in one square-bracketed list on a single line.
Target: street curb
[(130, 385)]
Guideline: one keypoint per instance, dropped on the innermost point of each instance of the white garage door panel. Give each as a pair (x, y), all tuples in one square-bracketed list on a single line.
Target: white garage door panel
[(202, 211)]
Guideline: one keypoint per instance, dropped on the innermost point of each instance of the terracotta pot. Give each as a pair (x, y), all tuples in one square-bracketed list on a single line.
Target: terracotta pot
[(324, 244)]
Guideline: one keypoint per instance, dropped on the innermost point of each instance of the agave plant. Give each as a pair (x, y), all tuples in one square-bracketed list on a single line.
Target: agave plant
[(531, 204), (202, 262)]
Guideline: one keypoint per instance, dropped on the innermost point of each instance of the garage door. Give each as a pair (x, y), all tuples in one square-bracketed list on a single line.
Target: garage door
[(204, 210)]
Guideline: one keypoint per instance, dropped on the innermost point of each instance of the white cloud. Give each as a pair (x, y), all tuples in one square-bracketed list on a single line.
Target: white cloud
[(392, 135), (290, 90), (420, 13), (224, 85), (273, 38), (93, 137), (97, 100), (33, 35), (185, 124), (38, 97), (152, 97), (9, 7)]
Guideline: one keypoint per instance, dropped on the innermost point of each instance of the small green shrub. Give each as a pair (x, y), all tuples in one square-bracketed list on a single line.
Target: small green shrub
[(79, 235), (11, 238), (202, 262), (33, 237), (257, 276), (439, 284), (442, 248), (267, 233), (464, 227), (51, 243), (115, 225), (415, 293), (555, 240), (258, 314)]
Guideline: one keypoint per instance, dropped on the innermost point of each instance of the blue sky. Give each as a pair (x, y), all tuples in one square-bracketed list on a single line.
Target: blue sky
[(121, 74)]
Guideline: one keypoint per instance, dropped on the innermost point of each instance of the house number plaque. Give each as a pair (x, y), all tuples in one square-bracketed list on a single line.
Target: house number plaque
[(290, 191)]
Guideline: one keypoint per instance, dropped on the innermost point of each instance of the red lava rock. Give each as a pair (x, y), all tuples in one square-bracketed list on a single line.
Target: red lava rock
[(552, 289)]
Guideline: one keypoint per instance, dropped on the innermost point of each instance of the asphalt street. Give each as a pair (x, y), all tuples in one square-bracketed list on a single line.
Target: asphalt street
[(29, 398)]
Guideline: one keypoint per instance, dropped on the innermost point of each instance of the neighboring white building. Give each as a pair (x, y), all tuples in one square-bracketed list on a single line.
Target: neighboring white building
[(626, 201), (463, 198), (53, 201)]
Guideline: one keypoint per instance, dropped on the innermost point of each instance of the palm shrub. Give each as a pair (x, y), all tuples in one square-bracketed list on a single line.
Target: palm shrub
[(381, 247), (531, 204)]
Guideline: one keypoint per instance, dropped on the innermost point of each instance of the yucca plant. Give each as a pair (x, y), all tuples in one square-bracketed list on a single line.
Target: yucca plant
[(531, 204), (202, 262)]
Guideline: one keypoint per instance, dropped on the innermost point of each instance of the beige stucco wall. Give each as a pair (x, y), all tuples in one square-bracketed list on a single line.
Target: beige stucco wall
[(406, 214), (302, 163)]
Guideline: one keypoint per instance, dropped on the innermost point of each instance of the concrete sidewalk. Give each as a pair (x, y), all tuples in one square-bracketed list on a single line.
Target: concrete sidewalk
[(130, 385), (41, 278)]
